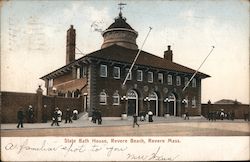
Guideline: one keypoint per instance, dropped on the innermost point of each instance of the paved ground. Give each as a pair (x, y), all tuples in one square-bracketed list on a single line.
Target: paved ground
[(116, 127)]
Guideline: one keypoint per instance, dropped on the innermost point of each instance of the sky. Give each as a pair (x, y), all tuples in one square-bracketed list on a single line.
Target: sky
[(33, 38)]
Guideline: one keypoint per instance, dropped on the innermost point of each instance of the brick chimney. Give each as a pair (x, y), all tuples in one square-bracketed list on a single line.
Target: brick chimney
[(70, 45), (168, 55)]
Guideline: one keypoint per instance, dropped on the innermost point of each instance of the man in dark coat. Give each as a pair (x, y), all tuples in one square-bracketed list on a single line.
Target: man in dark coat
[(135, 120), (150, 116), (30, 114), (68, 116), (20, 117), (99, 117), (55, 118)]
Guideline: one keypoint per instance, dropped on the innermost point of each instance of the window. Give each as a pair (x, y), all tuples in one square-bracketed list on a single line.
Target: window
[(116, 72), (150, 77), (83, 71), (103, 71), (139, 75), (160, 78), (130, 75), (194, 82), (103, 98), (193, 102), (116, 99), (69, 94), (178, 80), (50, 82), (186, 81), (170, 81), (78, 73)]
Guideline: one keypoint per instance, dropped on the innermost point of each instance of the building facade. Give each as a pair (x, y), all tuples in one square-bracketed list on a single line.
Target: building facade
[(155, 83)]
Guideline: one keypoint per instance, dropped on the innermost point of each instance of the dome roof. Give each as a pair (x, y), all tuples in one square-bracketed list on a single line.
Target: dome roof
[(120, 22), (120, 33)]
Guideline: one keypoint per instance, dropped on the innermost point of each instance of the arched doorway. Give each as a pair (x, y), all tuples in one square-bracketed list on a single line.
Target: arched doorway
[(132, 102), (172, 104), (154, 106)]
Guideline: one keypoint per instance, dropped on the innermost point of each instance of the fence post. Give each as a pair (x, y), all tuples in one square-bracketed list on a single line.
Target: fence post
[(39, 93)]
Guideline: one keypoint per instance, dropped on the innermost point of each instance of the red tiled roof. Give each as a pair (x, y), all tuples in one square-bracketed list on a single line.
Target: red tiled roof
[(122, 54), (125, 55)]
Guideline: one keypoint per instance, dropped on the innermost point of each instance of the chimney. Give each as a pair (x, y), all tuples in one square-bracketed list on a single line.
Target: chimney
[(70, 45), (168, 55)]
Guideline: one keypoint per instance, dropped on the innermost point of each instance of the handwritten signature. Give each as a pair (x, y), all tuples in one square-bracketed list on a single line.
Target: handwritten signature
[(153, 156)]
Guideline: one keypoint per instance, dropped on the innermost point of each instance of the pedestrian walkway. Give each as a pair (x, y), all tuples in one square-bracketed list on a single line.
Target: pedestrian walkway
[(84, 121)]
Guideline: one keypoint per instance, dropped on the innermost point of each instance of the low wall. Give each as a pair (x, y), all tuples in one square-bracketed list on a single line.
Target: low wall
[(11, 102), (238, 109)]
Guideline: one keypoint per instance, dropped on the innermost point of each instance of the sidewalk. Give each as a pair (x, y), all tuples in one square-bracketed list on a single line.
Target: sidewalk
[(84, 122)]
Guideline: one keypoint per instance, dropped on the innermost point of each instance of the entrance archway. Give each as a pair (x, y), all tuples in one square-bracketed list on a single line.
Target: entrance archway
[(172, 104), (132, 102), (154, 106)]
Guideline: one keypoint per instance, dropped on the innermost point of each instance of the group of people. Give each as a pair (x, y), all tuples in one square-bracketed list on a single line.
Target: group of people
[(57, 116), (30, 116), (215, 115), (97, 117)]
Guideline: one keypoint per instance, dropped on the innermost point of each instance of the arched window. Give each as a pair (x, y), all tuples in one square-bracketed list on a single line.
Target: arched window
[(116, 99), (103, 98)]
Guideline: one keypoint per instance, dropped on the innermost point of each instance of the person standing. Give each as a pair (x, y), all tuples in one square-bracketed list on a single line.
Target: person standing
[(75, 113), (135, 121), (59, 112), (186, 116), (30, 114), (68, 116), (99, 117), (55, 118), (150, 116), (20, 117)]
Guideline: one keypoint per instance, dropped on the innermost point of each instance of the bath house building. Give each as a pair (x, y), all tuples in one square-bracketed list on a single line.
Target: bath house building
[(155, 83)]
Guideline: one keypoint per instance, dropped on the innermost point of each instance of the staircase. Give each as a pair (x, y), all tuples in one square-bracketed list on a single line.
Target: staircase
[(83, 116)]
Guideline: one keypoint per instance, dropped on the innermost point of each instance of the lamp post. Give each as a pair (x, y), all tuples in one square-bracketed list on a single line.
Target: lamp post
[(147, 99), (124, 98), (184, 102), (124, 114)]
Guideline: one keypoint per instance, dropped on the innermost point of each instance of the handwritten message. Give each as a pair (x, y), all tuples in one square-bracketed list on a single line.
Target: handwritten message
[(106, 148), (116, 148)]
